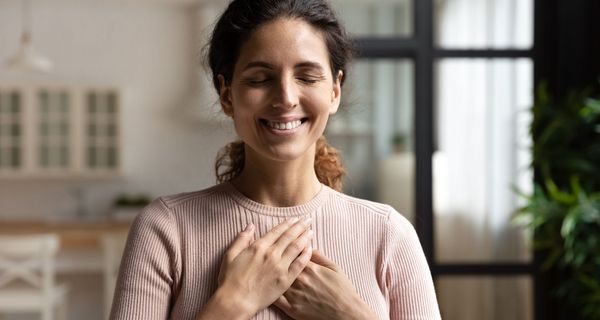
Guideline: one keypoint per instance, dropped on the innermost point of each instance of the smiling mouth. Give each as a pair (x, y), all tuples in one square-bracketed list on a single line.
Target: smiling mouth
[(283, 125)]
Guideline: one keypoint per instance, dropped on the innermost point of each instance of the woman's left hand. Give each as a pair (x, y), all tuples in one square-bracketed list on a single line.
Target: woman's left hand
[(323, 291)]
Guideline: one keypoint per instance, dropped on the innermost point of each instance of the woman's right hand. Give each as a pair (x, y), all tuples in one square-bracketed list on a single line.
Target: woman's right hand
[(256, 273)]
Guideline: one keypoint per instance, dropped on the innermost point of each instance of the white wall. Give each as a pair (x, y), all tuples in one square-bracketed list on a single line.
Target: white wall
[(150, 51)]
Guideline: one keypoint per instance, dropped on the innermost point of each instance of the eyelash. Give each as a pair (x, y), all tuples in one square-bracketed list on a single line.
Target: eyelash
[(256, 82), (263, 81), (309, 81)]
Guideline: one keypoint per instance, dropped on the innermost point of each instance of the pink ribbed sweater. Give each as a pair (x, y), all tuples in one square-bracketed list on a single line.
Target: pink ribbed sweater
[(175, 246)]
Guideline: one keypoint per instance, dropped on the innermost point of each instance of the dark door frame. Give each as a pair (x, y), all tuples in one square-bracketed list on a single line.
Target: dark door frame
[(422, 50), (565, 54)]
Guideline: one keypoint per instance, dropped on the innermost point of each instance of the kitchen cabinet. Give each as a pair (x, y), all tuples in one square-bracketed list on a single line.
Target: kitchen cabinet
[(59, 131)]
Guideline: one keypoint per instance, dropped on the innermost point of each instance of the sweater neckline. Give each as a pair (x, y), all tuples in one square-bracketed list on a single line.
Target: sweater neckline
[(299, 210)]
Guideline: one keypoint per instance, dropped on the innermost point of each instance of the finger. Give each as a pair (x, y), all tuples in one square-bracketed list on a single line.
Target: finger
[(322, 260), (270, 237), (241, 242), (297, 246), (291, 235), (283, 304), (300, 263)]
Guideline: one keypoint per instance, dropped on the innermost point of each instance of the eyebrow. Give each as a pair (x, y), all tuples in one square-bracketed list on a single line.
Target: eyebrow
[(258, 64), (263, 64)]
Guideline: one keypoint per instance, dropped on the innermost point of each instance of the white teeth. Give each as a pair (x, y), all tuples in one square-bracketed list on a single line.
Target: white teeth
[(284, 125)]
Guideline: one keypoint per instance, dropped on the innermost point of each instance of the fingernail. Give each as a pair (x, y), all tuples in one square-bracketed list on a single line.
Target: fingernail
[(307, 220), (310, 233), (294, 220), (249, 227)]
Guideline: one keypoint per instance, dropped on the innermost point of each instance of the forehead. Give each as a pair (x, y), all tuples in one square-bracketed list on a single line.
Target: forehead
[(285, 42)]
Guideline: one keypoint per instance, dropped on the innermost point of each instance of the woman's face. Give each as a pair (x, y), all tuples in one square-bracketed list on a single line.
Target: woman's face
[(282, 91)]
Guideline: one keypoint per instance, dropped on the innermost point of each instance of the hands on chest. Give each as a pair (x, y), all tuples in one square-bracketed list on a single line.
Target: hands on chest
[(281, 268)]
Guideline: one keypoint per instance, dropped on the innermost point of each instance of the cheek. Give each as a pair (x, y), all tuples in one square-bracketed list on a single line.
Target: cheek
[(320, 102), (253, 97), (245, 107)]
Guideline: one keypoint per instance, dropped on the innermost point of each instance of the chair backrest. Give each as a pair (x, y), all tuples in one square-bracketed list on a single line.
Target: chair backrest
[(28, 260), (113, 245)]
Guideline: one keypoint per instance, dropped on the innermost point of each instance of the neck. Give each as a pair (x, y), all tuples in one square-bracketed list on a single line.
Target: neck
[(278, 183)]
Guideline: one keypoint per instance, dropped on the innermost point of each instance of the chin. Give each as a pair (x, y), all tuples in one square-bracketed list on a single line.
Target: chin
[(289, 152), (287, 155)]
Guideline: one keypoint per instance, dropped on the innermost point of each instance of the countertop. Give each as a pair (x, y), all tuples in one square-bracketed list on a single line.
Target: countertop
[(74, 234)]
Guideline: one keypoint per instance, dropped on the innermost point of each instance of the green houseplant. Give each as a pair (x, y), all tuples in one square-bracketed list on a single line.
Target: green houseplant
[(563, 213)]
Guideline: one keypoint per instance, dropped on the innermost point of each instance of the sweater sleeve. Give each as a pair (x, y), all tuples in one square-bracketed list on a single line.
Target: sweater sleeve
[(148, 274), (408, 280)]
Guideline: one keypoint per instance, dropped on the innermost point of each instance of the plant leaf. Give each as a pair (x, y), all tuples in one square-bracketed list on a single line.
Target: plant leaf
[(570, 222), (557, 195)]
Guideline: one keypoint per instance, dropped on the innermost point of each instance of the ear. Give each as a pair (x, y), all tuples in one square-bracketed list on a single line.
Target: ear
[(225, 96), (336, 93)]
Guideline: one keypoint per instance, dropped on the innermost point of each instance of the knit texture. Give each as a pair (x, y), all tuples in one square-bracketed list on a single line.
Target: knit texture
[(175, 247)]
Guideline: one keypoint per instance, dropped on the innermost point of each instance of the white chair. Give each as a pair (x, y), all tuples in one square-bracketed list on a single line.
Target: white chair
[(27, 276), (113, 245)]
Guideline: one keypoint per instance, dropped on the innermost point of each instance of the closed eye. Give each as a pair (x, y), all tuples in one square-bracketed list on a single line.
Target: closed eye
[(257, 81), (308, 80)]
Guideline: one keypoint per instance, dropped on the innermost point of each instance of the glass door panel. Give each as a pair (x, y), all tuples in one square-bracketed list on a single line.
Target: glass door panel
[(376, 18), (373, 130), (489, 298), (482, 154), (477, 24)]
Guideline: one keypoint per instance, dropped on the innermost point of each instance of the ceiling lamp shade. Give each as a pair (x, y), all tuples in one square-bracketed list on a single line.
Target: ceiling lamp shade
[(26, 58)]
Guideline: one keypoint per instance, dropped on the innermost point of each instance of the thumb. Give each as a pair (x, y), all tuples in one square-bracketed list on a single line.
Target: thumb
[(241, 242), (320, 259)]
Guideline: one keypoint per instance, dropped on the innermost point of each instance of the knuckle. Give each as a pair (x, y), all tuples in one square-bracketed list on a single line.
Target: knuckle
[(296, 246), (258, 247), (270, 255), (295, 267), (302, 279), (278, 230), (288, 236), (311, 268), (281, 281)]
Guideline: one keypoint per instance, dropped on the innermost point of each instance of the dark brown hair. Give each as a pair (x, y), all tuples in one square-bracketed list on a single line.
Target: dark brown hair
[(233, 29)]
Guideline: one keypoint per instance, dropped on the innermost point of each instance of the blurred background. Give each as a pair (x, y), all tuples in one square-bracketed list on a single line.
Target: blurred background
[(105, 105)]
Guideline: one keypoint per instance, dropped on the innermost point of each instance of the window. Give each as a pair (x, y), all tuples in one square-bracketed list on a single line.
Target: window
[(389, 18), (460, 109), (374, 132), (59, 132)]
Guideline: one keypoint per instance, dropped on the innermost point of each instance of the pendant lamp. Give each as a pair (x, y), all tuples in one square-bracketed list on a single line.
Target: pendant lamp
[(26, 58)]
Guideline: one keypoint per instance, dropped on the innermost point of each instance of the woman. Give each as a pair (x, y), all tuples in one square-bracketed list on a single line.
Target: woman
[(275, 240)]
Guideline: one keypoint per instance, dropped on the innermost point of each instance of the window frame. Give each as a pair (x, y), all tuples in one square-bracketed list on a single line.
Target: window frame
[(421, 48)]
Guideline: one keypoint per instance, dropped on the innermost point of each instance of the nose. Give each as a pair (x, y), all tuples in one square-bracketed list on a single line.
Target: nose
[(286, 94)]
